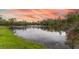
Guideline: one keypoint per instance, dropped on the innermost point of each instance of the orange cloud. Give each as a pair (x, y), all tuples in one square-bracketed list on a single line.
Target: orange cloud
[(37, 14)]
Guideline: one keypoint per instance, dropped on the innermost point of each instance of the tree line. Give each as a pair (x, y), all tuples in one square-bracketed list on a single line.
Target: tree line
[(70, 19)]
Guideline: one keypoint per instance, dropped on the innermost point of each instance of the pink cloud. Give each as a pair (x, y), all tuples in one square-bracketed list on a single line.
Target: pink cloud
[(36, 14)]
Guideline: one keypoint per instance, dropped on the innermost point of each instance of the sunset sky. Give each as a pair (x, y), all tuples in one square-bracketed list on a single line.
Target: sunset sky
[(33, 14)]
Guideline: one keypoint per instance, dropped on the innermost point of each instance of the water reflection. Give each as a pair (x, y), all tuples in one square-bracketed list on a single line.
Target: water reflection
[(48, 37)]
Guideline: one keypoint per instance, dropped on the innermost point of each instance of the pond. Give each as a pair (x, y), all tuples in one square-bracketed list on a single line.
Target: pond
[(48, 37)]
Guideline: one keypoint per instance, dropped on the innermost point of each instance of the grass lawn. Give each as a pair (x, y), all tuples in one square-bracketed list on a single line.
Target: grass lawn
[(9, 41)]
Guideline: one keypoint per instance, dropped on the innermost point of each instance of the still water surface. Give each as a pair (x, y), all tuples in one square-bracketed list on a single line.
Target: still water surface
[(49, 38)]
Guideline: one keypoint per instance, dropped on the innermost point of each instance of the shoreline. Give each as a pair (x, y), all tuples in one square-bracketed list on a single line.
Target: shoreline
[(9, 41)]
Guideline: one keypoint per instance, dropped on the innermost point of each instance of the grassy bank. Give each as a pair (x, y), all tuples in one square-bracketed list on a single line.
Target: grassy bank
[(9, 40)]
